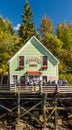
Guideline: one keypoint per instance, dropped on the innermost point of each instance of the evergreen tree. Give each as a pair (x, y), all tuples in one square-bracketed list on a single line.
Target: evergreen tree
[(2, 24), (8, 26), (27, 28)]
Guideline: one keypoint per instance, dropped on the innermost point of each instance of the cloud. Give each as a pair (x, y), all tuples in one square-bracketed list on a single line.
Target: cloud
[(17, 27)]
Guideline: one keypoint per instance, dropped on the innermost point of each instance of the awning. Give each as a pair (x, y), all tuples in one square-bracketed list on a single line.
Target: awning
[(33, 72)]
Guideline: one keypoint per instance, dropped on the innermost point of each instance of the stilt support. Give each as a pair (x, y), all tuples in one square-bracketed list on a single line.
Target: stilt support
[(18, 105), (56, 114), (44, 110)]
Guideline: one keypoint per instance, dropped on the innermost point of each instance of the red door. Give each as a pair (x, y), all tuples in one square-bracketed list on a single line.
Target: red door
[(23, 81)]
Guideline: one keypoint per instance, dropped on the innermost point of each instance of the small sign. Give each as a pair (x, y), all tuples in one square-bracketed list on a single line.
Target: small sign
[(32, 65), (33, 59)]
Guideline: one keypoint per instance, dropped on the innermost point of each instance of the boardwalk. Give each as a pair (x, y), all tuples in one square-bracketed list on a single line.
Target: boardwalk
[(37, 89)]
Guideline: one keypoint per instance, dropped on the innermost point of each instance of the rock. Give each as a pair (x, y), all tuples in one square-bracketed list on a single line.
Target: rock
[(59, 122)]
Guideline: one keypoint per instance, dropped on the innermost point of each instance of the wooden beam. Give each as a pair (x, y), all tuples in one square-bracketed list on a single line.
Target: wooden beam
[(51, 114), (18, 105), (30, 109), (6, 108), (60, 108), (32, 116), (7, 112)]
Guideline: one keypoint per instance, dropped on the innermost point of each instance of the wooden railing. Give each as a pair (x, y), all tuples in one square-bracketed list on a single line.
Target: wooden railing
[(37, 89), (59, 89), (4, 87), (65, 89), (45, 89)]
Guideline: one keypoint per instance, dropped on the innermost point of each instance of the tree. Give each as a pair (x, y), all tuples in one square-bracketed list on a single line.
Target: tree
[(47, 36), (8, 27), (64, 33), (9, 43), (27, 28), (68, 44), (61, 31), (46, 27), (2, 24)]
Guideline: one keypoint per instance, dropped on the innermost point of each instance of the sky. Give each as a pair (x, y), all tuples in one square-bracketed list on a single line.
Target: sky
[(57, 11)]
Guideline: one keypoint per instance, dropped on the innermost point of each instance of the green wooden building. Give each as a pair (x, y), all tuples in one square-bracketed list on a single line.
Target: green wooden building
[(32, 63)]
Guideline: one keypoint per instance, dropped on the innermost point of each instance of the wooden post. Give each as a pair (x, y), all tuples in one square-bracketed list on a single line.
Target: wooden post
[(55, 113), (18, 105), (44, 109)]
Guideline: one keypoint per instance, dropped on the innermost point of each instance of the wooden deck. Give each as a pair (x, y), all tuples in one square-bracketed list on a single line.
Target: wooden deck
[(36, 89)]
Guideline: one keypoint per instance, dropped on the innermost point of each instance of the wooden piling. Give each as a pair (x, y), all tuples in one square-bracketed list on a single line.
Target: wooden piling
[(55, 113), (18, 105), (44, 109)]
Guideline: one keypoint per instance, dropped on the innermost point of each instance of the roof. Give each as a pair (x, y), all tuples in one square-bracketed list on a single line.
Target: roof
[(33, 37)]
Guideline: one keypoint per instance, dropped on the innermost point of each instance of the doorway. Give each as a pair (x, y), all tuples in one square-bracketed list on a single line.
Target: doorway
[(22, 80)]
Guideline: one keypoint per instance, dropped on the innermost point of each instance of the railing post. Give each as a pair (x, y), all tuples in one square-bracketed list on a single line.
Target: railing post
[(57, 88), (40, 87), (15, 88)]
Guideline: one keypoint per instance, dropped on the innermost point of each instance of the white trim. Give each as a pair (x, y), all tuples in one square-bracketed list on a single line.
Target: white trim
[(27, 45)]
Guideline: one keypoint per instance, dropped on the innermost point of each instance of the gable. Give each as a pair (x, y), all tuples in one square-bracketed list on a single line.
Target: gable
[(35, 47)]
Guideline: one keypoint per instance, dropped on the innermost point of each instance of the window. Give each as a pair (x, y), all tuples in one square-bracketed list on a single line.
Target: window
[(21, 61), (44, 62)]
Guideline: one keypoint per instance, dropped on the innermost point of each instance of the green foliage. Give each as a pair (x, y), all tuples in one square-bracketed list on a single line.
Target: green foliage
[(8, 27), (45, 31), (27, 28), (9, 44), (51, 41), (53, 44), (46, 26), (2, 24), (64, 33), (67, 77)]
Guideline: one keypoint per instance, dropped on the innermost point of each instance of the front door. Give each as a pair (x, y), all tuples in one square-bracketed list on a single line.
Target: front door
[(22, 80)]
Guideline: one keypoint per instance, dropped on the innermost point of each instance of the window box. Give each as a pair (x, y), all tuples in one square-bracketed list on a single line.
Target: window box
[(21, 67), (45, 66)]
